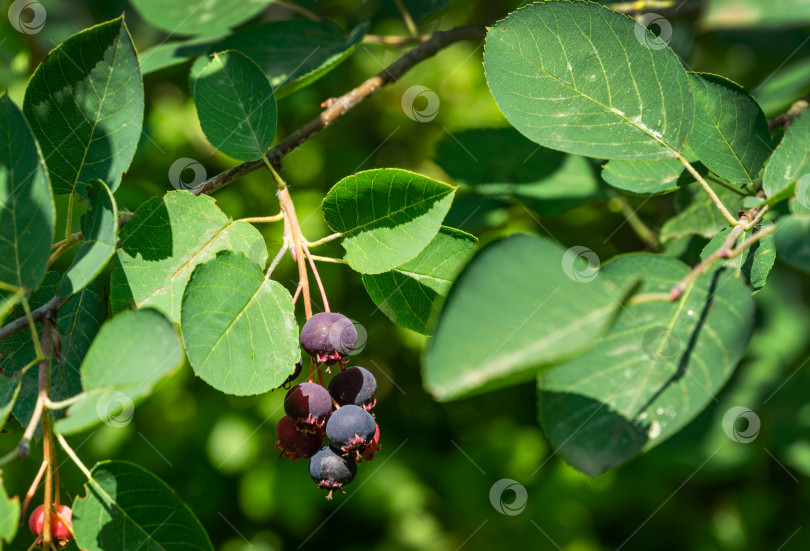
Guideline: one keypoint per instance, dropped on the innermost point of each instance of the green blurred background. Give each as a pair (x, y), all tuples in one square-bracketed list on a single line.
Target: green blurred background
[(429, 487)]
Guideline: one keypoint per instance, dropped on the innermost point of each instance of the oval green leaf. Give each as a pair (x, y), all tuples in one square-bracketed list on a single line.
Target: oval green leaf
[(85, 105), (578, 77), (100, 231), (236, 106), (653, 372), (698, 214), (26, 202), (203, 17), (131, 354), (646, 177), (520, 303), (9, 515), (731, 135), (163, 242), (792, 239), (239, 327), (126, 507), (408, 293), (791, 158), (387, 216)]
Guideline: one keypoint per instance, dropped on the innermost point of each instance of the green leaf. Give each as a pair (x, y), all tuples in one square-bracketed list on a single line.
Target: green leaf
[(727, 14), (387, 216), (163, 242), (85, 105), (239, 327), (236, 106), (204, 17), (578, 77), (731, 135), (126, 507), (78, 322), (646, 177), (502, 163), (9, 389), (131, 354), (100, 231), (169, 54), (521, 302), (699, 215), (294, 53), (790, 159), (9, 515), (792, 239), (408, 293), (755, 262), (26, 202), (657, 368)]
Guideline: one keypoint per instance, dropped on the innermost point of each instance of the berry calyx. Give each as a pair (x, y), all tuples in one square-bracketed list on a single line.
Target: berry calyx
[(372, 448), (328, 337), (309, 406), (294, 444), (60, 528), (350, 430), (331, 471), (354, 386)]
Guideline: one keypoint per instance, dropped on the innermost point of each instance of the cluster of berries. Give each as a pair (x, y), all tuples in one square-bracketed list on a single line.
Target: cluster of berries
[(340, 414), (61, 524)]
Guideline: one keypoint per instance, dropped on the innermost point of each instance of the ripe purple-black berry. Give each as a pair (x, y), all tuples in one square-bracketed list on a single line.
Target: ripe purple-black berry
[(350, 430), (354, 386), (328, 337), (308, 405), (294, 444), (331, 471)]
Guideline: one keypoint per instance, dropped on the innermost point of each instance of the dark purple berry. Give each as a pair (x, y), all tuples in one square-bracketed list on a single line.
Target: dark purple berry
[(294, 444), (354, 386), (328, 337), (331, 471), (308, 405), (350, 430), (372, 448)]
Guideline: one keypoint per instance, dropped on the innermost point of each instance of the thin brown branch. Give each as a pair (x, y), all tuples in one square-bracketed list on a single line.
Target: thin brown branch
[(342, 105), (50, 307), (395, 41), (786, 119)]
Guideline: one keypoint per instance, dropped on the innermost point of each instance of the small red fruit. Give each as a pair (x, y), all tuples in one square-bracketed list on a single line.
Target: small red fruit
[(59, 530)]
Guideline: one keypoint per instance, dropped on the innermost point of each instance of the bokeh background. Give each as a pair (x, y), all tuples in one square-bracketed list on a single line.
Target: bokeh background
[(429, 487)]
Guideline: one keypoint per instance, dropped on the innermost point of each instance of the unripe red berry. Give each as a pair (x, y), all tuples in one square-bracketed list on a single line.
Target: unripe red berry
[(294, 444), (58, 529)]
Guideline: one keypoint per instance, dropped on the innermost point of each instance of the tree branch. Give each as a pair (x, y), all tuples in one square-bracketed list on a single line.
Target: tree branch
[(340, 106), (786, 119)]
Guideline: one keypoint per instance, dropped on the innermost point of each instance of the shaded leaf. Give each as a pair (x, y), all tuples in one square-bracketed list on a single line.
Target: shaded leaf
[(699, 215), (163, 242), (792, 239), (293, 53), (387, 216), (100, 230), (132, 352), (408, 293), (78, 322), (126, 507), (578, 77), (239, 327), (520, 303), (85, 105), (660, 365), (755, 262), (236, 106), (168, 54), (648, 177), (207, 16), (26, 203), (789, 160), (731, 135)]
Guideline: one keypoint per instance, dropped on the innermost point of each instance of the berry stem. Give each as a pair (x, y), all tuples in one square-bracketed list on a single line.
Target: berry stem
[(32, 491), (317, 278)]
